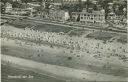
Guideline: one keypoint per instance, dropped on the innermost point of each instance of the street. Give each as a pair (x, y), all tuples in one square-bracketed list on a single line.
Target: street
[(67, 25)]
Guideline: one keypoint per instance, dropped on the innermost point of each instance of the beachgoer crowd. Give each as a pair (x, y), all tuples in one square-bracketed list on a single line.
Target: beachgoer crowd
[(90, 46)]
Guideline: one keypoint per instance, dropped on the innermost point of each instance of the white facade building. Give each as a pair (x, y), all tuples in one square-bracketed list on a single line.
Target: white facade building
[(8, 7), (59, 15), (97, 17)]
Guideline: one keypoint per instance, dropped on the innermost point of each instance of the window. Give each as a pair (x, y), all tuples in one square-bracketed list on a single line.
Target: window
[(84, 14), (81, 17)]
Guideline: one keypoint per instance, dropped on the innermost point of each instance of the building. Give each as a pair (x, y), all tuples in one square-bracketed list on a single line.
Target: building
[(95, 17), (17, 11), (16, 0), (32, 7), (8, 7), (70, 2), (64, 2), (75, 16), (55, 5), (58, 15), (117, 20), (34, 4)]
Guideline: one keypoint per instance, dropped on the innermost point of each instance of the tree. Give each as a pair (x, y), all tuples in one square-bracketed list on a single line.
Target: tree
[(16, 5)]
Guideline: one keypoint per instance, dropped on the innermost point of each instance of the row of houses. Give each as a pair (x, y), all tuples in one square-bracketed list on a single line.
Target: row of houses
[(94, 17), (24, 8), (84, 17)]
